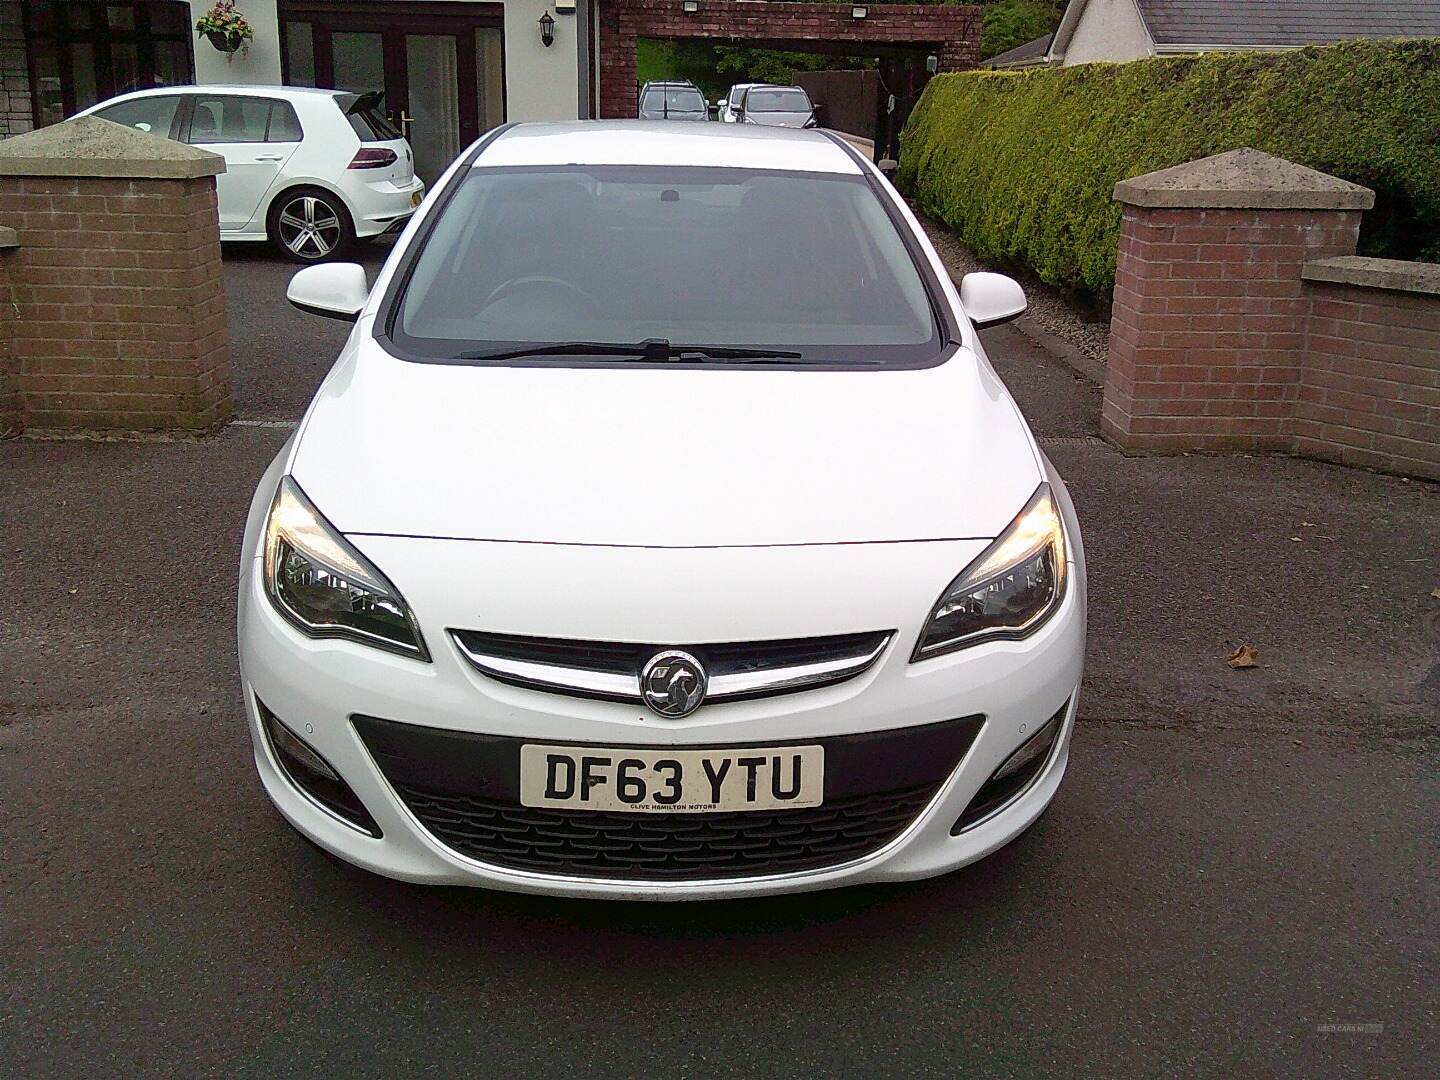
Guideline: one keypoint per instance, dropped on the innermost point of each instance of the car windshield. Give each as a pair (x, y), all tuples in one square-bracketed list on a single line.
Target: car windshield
[(682, 99), (809, 263), (777, 101)]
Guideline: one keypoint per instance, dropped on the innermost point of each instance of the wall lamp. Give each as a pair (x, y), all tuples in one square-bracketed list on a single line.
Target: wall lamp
[(547, 30), (859, 11), (690, 7)]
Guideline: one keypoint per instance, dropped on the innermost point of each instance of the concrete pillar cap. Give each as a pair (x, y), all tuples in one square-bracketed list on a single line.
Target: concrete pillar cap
[(1243, 179), (88, 146)]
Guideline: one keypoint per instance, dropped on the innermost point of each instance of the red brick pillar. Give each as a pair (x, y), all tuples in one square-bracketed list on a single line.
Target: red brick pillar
[(10, 423), (617, 62), (118, 300), (1208, 329)]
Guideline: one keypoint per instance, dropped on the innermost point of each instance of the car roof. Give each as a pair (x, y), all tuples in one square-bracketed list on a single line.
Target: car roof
[(658, 142), (238, 89)]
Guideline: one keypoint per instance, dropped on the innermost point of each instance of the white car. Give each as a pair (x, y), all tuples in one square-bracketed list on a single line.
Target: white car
[(729, 105), (572, 581), (308, 170)]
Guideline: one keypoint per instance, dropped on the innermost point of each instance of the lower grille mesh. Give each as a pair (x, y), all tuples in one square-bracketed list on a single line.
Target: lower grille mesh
[(662, 847)]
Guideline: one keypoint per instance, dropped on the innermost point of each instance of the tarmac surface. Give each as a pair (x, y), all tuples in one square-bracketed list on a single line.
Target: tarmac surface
[(1238, 876)]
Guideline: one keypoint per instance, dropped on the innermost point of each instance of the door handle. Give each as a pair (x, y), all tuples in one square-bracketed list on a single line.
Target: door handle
[(269, 157)]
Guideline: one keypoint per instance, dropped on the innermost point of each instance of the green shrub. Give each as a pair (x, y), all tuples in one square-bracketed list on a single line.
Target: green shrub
[(1022, 165)]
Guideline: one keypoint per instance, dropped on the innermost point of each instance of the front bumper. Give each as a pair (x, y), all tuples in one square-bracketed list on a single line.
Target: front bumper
[(318, 688)]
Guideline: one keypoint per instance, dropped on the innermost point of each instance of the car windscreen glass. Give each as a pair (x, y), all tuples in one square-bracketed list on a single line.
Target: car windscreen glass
[(777, 101), (675, 99), (369, 123), (811, 263)]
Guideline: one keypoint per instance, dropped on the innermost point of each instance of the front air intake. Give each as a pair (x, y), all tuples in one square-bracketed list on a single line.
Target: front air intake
[(313, 776), (1015, 775)]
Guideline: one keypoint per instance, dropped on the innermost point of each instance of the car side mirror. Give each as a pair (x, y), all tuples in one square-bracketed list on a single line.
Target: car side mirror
[(331, 290), (991, 299)]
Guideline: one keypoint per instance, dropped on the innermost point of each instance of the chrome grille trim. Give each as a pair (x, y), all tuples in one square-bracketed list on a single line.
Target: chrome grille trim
[(724, 686)]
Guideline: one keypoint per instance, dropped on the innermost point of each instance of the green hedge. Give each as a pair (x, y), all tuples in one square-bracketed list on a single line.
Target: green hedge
[(1022, 165)]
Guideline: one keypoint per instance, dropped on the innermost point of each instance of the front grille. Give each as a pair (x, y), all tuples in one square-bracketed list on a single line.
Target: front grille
[(611, 669), (665, 847), (626, 658), (464, 788)]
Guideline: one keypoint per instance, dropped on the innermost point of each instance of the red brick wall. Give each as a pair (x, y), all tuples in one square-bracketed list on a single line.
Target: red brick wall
[(1370, 391), (119, 318), (1208, 324), (10, 423), (952, 32), (1218, 344)]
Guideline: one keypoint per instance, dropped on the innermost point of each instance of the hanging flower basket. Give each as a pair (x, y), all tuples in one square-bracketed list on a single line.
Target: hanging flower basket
[(226, 29), (226, 42)]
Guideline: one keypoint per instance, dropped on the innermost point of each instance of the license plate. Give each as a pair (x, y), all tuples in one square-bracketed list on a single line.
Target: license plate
[(416, 197), (672, 781)]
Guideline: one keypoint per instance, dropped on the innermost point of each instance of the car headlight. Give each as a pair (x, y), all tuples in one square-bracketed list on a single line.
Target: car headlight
[(1009, 590), (325, 587)]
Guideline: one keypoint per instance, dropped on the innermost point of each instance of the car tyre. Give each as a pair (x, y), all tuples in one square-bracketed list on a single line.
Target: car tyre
[(310, 225)]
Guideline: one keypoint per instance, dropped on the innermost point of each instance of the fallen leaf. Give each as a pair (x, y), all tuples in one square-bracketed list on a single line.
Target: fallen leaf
[(1307, 524), (1296, 539), (1435, 594), (1246, 656)]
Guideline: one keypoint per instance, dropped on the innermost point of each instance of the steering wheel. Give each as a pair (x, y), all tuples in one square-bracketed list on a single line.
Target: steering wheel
[(540, 281)]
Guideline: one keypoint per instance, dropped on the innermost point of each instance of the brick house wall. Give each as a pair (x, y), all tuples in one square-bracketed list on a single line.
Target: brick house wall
[(952, 32), (1242, 320), (15, 111)]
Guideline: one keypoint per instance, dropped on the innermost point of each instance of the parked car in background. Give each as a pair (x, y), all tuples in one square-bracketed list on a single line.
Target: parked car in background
[(309, 170), (673, 101), (777, 106), (726, 107), (759, 589)]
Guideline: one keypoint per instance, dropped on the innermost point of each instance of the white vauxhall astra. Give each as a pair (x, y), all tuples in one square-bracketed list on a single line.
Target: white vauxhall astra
[(662, 532)]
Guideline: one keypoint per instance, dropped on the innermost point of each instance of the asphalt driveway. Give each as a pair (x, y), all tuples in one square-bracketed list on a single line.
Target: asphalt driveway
[(1238, 876)]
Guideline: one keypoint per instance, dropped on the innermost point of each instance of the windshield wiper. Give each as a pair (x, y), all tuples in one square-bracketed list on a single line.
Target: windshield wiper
[(649, 349)]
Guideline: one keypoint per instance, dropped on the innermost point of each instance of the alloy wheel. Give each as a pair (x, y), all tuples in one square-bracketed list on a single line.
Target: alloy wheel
[(310, 227)]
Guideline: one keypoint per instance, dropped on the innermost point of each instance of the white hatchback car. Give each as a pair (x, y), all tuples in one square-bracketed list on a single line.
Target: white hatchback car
[(575, 581), (728, 106), (308, 170)]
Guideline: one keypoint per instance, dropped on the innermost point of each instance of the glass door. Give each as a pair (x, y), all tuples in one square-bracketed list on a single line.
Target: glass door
[(432, 114), (440, 65)]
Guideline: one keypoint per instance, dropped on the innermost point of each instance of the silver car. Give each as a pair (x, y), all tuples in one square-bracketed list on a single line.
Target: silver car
[(672, 101), (777, 106)]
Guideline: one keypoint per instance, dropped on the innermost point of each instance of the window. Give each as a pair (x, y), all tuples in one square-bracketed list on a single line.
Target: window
[(673, 99), (284, 124), (812, 263), (299, 53), (369, 123), (150, 114), (236, 119), (759, 100), (84, 51)]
